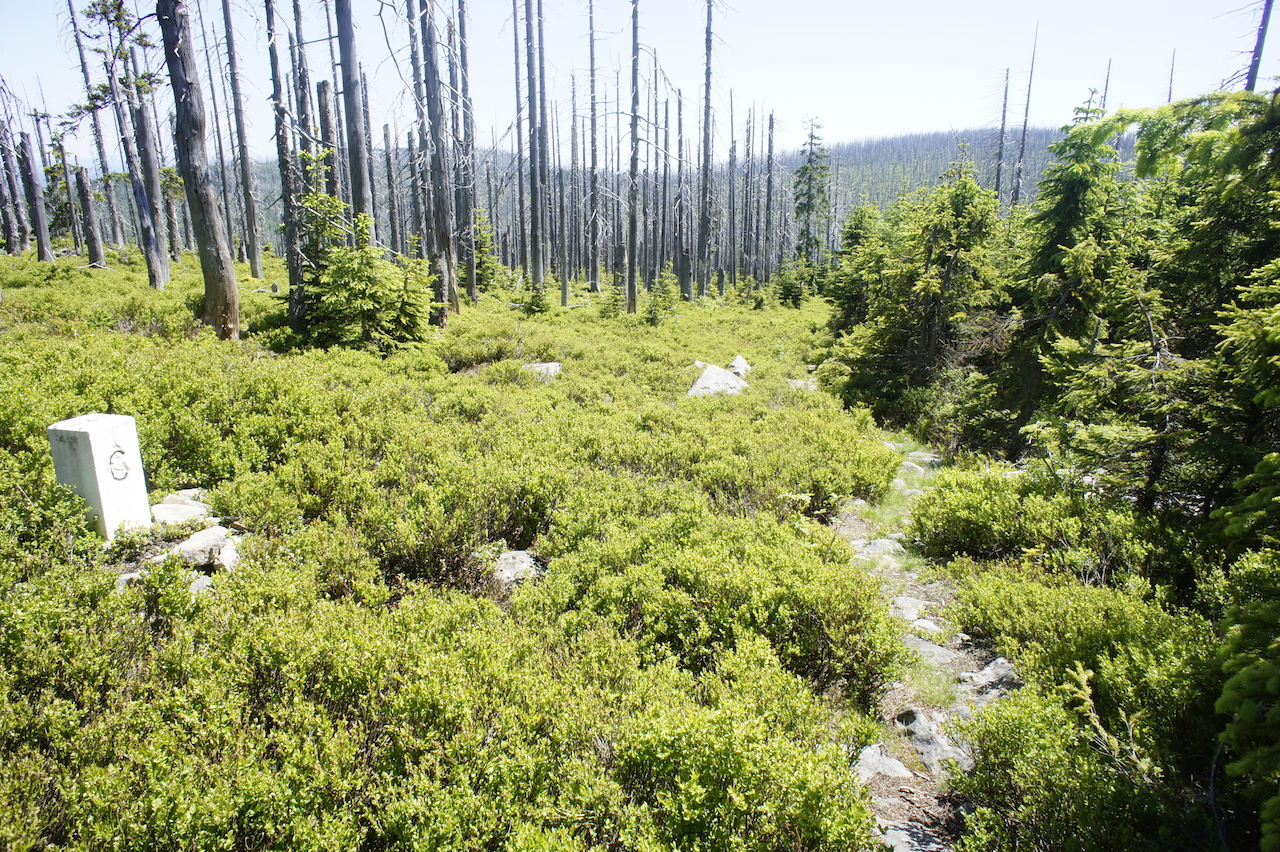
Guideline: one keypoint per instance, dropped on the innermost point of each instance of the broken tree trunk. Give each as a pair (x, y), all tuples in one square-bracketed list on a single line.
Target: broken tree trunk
[(92, 236), (221, 296)]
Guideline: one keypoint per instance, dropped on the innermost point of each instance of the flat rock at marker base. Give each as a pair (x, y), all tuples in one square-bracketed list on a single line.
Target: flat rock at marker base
[(909, 608), (515, 567), (545, 371), (717, 380), (204, 548), (872, 761), (739, 366), (176, 513)]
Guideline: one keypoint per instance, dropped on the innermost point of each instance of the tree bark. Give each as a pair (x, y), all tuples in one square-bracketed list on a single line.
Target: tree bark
[(357, 150), (92, 236), (704, 214), (288, 182), (1026, 117), (117, 227), (149, 157), (466, 159), (535, 186), (634, 173), (445, 257), (146, 228), (593, 250), (34, 186), (252, 243), (1255, 61), (221, 296), (393, 211)]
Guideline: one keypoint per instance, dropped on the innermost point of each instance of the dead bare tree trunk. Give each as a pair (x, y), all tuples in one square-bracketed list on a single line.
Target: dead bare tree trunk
[(1004, 117), (768, 207), (445, 259), (1255, 61), (704, 214), (538, 270), (466, 157), (393, 211), (34, 184), (149, 157), (146, 228), (246, 169), (288, 182), (8, 215), (353, 106), (77, 234), (221, 295), (634, 174), (593, 250), (117, 227), (522, 235), (1026, 117), (92, 236)]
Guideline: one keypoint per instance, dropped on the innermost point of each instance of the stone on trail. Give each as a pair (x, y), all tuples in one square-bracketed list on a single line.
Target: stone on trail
[(911, 837), (515, 567), (909, 608), (881, 547), (803, 384), (872, 761), (933, 746), (926, 625), (995, 673), (910, 467), (924, 458), (931, 653), (97, 456), (717, 380)]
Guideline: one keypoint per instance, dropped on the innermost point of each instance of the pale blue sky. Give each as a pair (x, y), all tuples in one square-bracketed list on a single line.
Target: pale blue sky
[(862, 69)]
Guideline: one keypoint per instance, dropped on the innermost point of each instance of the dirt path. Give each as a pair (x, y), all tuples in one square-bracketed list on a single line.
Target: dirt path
[(951, 679)]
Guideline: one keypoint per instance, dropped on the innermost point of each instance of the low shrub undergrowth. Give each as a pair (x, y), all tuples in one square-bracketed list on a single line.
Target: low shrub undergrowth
[(693, 671)]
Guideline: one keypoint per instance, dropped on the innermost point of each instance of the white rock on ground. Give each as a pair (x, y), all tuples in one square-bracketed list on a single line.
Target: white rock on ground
[(992, 674), (881, 547), (213, 547), (201, 584), (933, 746), (545, 371), (181, 506), (803, 384), (717, 380), (873, 761), (515, 567), (909, 608), (739, 366)]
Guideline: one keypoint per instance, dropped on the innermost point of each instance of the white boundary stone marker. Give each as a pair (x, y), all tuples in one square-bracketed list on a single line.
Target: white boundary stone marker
[(97, 455)]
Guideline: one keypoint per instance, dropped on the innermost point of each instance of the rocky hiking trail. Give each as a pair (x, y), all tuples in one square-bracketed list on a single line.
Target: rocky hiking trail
[(951, 678)]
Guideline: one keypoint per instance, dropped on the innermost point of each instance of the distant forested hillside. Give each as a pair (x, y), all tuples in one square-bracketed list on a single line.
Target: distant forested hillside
[(877, 171)]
